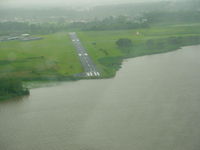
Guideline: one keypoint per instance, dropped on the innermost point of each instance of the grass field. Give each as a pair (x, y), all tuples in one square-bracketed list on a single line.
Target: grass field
[(101, 45), (52, 56), (55, 56)]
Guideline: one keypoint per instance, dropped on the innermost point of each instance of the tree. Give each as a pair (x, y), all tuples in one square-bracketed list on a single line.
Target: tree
[(124, 43), (12, 87)]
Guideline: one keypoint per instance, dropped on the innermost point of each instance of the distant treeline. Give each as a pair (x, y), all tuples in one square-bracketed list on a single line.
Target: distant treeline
[(143, 20), (10, 87), (172, 17), (25, 27), (111, 23)]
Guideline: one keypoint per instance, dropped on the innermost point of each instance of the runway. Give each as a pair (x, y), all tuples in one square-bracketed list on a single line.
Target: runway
[(87, 63)]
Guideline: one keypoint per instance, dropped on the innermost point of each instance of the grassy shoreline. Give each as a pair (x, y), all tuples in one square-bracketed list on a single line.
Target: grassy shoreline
[(11, 87), (55, 58), (6, 97), (115, 63), (108, 57), (110, 74)]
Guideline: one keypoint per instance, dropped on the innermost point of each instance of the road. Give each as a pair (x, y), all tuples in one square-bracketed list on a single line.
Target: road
[(87, 63)]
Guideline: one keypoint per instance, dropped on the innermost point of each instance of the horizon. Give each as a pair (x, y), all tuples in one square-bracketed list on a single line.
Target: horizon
[(68, 3)]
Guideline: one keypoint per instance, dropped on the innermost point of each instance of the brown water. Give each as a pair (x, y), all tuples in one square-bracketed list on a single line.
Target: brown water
[(152, 104)]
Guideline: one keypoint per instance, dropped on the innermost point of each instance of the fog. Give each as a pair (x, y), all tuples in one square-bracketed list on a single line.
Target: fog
[(22, 3)]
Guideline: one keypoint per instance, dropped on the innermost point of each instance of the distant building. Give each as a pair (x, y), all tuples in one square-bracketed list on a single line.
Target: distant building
[(12, 38), (25, 35), (137, 33), (31, 38)]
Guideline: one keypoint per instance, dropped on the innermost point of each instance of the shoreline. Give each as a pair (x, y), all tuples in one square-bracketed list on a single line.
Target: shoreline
[(45, 82)]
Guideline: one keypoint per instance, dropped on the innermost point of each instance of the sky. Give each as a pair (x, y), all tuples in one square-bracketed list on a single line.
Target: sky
[(64, 2)]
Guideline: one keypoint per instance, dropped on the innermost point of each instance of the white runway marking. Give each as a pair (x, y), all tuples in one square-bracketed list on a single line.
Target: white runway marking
[(88, 74)]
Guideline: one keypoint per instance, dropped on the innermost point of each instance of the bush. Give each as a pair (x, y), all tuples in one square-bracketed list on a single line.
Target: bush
[(124, 43), (12, 87)]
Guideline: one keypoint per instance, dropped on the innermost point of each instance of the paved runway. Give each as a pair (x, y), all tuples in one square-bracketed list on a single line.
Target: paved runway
[(88, 65)]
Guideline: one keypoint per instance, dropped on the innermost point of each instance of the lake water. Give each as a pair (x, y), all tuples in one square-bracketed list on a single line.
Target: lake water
[(152, 104)]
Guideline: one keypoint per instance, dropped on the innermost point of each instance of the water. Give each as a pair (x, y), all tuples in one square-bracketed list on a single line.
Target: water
[(152, 104)]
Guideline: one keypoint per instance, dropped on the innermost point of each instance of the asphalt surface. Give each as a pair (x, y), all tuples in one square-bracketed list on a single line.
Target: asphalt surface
[(87, 63)]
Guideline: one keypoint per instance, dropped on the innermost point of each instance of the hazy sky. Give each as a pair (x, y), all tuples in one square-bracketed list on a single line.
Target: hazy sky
[(64, 2)]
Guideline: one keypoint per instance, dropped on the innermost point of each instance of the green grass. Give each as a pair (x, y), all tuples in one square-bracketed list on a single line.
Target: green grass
[(53, 56), (101, 45)]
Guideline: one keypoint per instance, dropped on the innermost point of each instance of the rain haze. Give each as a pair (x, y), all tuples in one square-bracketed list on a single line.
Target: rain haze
[(99, 74), (18, 3)]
